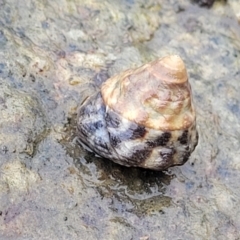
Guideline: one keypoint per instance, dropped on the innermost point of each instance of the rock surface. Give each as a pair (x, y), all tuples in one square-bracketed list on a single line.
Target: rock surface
[(54, 53)]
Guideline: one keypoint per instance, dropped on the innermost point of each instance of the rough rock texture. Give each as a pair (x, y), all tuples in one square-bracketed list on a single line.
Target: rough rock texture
[(53, 53), (22, 122)]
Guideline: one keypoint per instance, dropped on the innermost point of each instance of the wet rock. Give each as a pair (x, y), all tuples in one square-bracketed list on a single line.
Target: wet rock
[(50, 53), (206, 3), (23, 124)]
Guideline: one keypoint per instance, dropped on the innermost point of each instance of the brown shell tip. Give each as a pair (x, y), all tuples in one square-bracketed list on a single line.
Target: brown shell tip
[(172, 69), (173, 62), (156, 95)]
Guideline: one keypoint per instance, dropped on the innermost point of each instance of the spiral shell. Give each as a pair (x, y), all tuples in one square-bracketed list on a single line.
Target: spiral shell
[(142, 117)]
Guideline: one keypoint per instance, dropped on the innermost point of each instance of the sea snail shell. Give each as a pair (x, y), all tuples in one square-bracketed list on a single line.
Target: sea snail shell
[(142, 117)]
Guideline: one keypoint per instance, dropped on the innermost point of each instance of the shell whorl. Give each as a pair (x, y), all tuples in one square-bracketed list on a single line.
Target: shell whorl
[(156, 95)]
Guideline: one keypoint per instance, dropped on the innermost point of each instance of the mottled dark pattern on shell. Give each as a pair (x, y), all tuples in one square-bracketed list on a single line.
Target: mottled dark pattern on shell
[(129, 144)]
